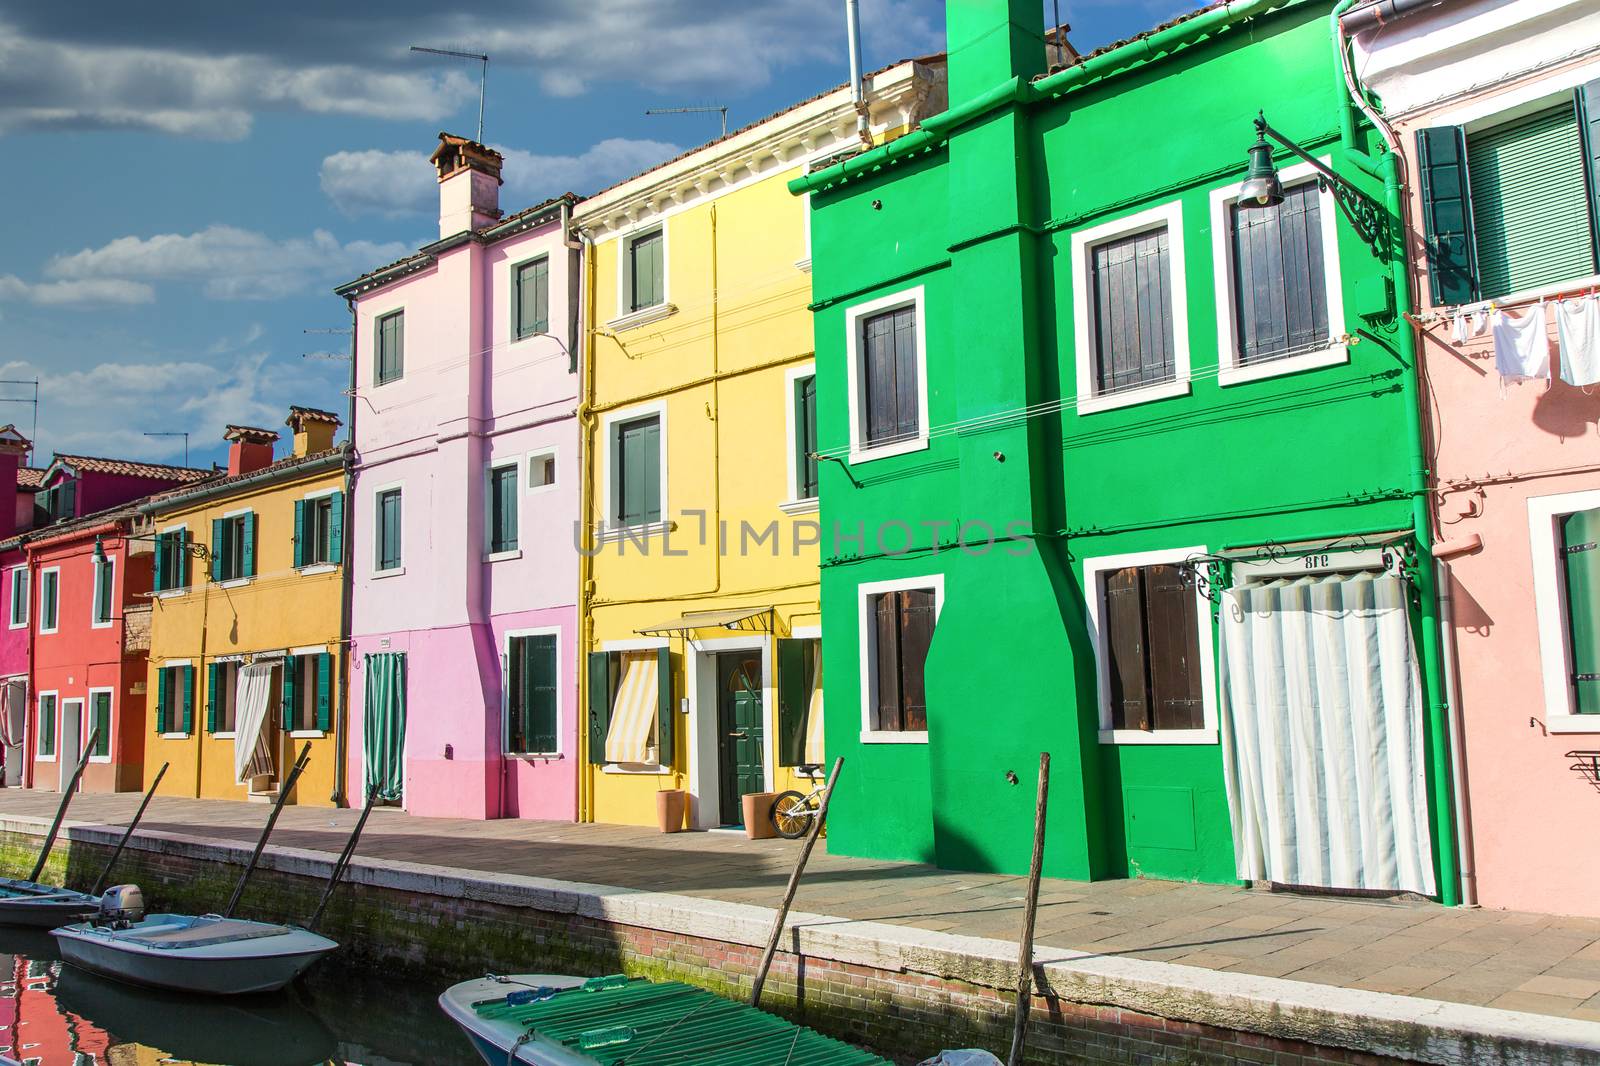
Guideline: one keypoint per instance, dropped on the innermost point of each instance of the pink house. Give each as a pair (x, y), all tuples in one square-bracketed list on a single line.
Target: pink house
[(464, 498), (1496, 109), (17, 486)]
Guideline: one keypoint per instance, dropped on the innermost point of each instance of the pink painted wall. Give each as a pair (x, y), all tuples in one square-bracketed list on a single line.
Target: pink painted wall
[(1491, 454), (470, 395)]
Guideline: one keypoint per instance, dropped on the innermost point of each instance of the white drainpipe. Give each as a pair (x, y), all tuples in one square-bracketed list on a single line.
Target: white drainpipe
[(858, 94)]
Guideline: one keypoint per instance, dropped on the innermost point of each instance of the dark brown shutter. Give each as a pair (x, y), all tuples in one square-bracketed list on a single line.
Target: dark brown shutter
[(1125, 646), (887, 618), (1174, 649), (916, 634)]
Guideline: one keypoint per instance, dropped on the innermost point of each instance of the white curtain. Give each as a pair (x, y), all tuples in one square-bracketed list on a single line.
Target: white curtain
[(1322, 734), (250, 755)]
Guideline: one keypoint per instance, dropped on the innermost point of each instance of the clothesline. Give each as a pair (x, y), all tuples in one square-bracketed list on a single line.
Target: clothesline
[(1433, 318)]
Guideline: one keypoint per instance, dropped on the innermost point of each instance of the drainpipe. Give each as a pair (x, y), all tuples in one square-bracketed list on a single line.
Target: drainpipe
[(341, 725), (1458, 753), (858, 94), (586, 482), (1383, 12), (1426, 576)]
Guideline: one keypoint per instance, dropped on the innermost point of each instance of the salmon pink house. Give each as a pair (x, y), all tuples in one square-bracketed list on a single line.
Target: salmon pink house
[(463, 500)]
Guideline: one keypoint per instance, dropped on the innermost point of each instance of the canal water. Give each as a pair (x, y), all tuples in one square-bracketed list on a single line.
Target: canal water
[(54, 1015)]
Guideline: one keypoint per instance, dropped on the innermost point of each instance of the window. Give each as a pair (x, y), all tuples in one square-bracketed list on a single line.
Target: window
[(502, 508), (542, 471), (530, 300), (222, 682), (636, 445), (175, 699), (47, 725), (233, 547), (387, 508), (805, 437), (319, 530), (172, 560), (1508, 205), (104, 591), (1580, 548), (897, 622), (532, 687), (1564, 535), (389, 344), (1152, 648), (19, 596), (1280, 295), (888, 403), (100, 722), (646, 270), (61, 499), (49, 599), (307, 696)]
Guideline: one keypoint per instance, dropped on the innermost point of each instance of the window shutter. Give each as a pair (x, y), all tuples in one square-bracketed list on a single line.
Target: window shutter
[(1589, 123), (794, 696), (183, 559), (652, 471), (218, 547), (805, 443), (666, 708), (103, 581), (1280, 290), (212, 670), (916, 638), (512, 670), (1580, 543), (69, 496), (336, 528), (163, 699), (1174, 650), (324, 691), (599, 704), (541, 296), (289, 696), (300, 552), (539, 711), (188, 699), (249, 551), (1125, 649), (1131, 296), (163, 546), (1447, 215), (890, 704)]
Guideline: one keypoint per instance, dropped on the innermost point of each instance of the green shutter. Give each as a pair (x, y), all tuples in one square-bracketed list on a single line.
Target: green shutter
[(213, 670), (324, 690), (541, 296), (599, 704), (1580, 545), (805, 437), (1530, 203), (104, 584), (163, 699), (1589, 127), (336, 528), (300, 552), (666, 711), (183, 559), (539, 693), (1447, 215), (188, 700), (218, 548), (163, 540), (249, 569), (794, 696), (100, 720), (288, 697)]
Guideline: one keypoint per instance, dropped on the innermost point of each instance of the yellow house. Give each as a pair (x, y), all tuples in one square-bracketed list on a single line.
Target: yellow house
[(246, 631), (700, 610)]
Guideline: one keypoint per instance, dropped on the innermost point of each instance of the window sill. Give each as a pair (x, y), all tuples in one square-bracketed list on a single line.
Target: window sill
[(229, 735), (642, 317), (495, 557), (101, 759), (307, 734), (803, 264), (17, 625), (233, 583), (546, 756), (793, 507), (635, 769), (387, 381), (174, 736), (44, 758), (867, 454), (1089, 404), (893, 736), (167, 594), (1573, 723), (649, 529), (43, 632), (1333, 355), (1158, 736), (101, 625), (312, 569), (396, 571)]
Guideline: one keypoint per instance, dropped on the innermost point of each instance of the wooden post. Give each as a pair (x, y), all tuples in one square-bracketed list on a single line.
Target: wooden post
[(343, 861), (272, 820), (138, 814), (1025, 949), (794, 884), (61, 811)]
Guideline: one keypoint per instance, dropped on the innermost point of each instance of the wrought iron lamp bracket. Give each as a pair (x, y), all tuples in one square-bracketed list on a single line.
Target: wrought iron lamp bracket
[(1366, 216)]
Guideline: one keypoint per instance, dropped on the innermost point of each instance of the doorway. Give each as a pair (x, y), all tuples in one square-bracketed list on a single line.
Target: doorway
[(741, 732), (71, 742)]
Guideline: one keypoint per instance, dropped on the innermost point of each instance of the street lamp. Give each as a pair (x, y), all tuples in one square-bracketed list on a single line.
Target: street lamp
[(1261, 187), (194, 548)]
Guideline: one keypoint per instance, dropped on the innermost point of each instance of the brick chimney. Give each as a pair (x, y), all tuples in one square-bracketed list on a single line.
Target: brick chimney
[(469, 184), (249, 448), (313, 430), (13, 446)]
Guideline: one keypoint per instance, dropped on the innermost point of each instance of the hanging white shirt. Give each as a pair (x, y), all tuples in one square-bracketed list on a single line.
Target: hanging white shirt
[(1578, 324), (1521, 345)]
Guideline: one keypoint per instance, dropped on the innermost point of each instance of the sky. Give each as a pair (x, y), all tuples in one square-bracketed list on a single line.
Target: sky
[(185, 183)]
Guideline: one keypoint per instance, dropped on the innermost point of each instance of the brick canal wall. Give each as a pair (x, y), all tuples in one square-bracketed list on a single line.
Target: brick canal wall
[(886, 987)]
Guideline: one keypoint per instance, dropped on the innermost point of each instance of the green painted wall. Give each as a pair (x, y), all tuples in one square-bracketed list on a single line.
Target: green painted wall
[(984, 222)]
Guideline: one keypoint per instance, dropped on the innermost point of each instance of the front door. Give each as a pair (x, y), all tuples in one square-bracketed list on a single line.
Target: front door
[(740, 732), (71, 741)]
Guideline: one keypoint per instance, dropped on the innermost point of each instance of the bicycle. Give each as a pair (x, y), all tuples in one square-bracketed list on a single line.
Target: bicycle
[(793, 812)]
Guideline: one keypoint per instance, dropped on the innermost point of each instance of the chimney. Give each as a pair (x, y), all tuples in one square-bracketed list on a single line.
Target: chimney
[(469, 184), (313, 430), (249, 448), (991, 42), (13, 446)]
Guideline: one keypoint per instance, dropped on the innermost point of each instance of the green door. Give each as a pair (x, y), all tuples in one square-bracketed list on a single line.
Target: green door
[(740, 736)]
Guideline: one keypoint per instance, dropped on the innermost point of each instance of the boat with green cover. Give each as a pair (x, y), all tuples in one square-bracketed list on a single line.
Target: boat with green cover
[(544, 1020)]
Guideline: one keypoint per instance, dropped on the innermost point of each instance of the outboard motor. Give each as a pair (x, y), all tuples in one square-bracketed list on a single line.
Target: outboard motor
[(121, 906)]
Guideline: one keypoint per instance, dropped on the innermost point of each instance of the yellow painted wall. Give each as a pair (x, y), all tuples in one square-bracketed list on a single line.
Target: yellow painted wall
[(279, 609)]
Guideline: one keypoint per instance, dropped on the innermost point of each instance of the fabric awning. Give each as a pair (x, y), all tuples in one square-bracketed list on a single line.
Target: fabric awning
[(705, 620), (632, 735), (814, 753)]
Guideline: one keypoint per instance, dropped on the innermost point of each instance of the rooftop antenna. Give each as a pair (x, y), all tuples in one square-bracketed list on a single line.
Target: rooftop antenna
[(483, 74), (341, 357), (34, 401), (175, 433), (720, 109), (342, 330)]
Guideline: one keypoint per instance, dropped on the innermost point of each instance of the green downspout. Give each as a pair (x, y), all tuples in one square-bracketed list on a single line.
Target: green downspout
[(1425, 576)]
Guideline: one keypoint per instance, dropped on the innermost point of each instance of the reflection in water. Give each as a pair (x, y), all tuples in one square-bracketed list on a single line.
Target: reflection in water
[(54, 1015)]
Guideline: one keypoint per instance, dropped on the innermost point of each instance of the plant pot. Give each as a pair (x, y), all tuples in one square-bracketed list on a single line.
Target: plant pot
[(758, 815), (671, 803)]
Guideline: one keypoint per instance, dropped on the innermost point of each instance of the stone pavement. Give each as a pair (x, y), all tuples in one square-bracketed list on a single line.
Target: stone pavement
[(1535, 963)]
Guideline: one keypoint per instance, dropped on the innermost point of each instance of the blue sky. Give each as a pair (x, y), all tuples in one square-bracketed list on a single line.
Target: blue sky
[(185, 182)]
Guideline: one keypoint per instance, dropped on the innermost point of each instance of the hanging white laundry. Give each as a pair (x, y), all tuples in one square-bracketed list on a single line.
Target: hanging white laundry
[(1458, 326), (1578, 323), (1521, 345), (1479, 322)]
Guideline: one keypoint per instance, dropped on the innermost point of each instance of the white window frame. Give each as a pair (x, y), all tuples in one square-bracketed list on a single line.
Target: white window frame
[(793, 503), (94, 597), (300, 655), (56, 626), (238, 663), (519, 471), (111, 721), (180, 590), (514, 316), (1229, 370), (333, 564), (538, 455), (1094, 571), (627, 318), (914, 298), (608, 423), (1550, 606), (627, 769), (1090, 399), (38, 716), (867, 661), (379, 490), (242, 579), (505, 694), (169, 664), (27, 598)]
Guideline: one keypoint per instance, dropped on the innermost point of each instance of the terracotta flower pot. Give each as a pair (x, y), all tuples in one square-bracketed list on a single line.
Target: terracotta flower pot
[(671, 803), (758, 815)]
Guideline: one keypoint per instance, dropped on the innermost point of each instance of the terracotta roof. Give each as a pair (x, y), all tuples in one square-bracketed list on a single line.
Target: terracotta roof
[(1185, 17), (310, 414), (30, 477), (249, 434), (222, 483), (65, 529), (130, 468)]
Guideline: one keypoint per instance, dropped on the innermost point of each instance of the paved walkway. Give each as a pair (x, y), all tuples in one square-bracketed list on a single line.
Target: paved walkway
[(1514, 961)]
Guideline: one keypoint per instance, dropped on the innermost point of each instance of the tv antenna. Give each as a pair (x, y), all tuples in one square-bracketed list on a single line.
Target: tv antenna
[(175, 433), (483, 73), (698, 109)]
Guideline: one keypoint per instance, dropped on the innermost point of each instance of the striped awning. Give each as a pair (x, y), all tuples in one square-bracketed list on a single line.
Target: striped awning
[(814, 749), (692, 620), (632, 736)]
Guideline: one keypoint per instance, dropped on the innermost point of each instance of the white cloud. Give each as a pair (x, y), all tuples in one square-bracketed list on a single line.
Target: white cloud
[(229, 262), (377, 182), (75, 295)]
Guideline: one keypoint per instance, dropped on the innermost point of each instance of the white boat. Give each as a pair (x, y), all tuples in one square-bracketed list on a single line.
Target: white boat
[(36, 906)]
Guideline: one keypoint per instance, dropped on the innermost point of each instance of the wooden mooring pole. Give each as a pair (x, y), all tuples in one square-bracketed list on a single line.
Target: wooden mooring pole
[(794, 884), (1025, 950), (61, 811), (128, 834)]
